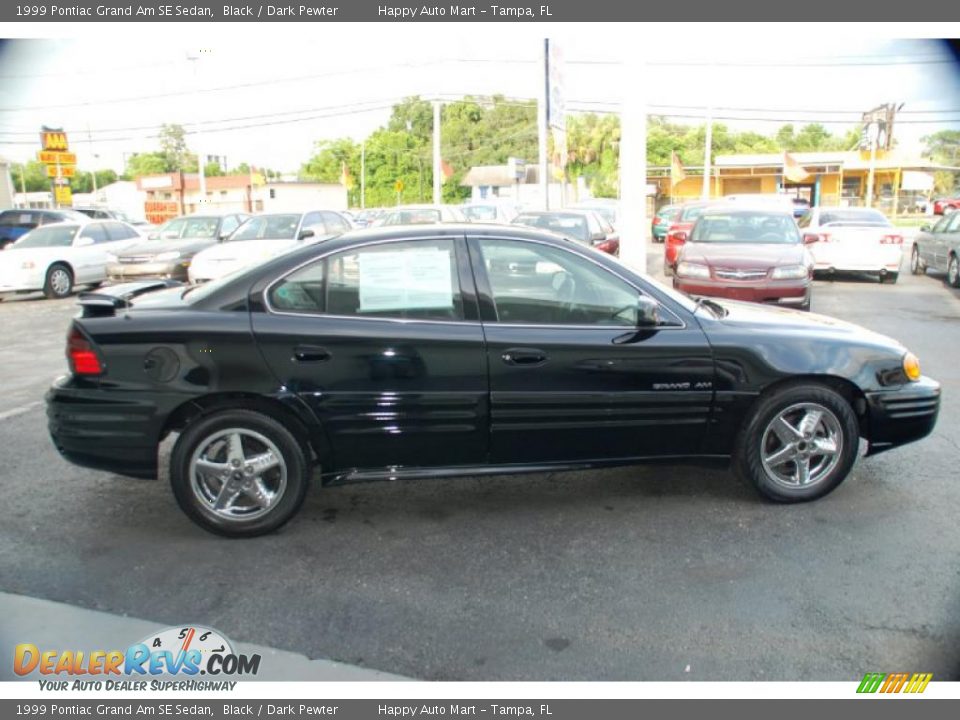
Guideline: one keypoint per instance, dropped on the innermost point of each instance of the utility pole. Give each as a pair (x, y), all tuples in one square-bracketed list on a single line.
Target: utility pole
[(363, 175), (633, 163), (707, 152), (437, 171), (93, 173), (543, 120), (194, 58)]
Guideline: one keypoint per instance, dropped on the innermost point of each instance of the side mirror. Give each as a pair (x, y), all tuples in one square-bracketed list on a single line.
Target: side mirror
[(810, 238), (306, 233), (83, 242), (924, 228), (222, 237), (648, 312)]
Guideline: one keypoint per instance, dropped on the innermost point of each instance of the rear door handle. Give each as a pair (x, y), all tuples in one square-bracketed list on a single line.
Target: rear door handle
[(310, 354), (524, 357)]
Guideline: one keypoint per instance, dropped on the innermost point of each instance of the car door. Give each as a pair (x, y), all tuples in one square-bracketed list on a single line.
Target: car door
[(947, 240), (383, 342), (929, 244), (571, 377), (88, 255)]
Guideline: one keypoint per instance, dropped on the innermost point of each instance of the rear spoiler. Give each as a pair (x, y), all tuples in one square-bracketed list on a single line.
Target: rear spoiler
[(106, 301)]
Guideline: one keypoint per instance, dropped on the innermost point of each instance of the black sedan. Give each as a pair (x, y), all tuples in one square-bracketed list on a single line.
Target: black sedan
[(450, 350)]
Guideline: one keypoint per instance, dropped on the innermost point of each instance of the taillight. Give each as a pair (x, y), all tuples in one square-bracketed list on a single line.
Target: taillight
[(891, 239), (657, 221), (678, 236), (81, 354)]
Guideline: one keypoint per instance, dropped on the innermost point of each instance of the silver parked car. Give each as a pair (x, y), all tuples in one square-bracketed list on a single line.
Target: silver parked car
[(938, 248)]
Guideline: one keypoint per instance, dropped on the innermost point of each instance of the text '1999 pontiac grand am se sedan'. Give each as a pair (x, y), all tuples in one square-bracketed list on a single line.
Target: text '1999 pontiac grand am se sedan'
[(453, 350)]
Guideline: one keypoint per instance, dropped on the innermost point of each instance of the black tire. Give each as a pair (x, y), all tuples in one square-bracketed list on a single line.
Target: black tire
[(59, 282), (890, 278), (953, 272), (916, 265), (748, 461), (199, 434)]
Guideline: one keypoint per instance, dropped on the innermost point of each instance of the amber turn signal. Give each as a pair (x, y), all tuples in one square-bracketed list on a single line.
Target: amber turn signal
[(911, 366)]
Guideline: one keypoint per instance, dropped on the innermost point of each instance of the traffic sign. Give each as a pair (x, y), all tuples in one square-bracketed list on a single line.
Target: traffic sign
[(398, 186), (52, 157), (67, 171), (63, 195)]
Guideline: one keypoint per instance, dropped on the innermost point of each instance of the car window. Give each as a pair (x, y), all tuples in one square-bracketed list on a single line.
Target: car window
[(314, 220), (172, 229), (229, 224), (268, 227), (407, 280), (417, 216), (853, 216), (745, 227), (689, 214), (537, 284), (18, 218), (954, 223), (119, 231), (335, 223), (50, 236), (200, 227), (96, 231)]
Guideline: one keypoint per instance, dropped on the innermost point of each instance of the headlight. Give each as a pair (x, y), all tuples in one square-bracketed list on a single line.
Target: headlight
[(28, 265), (172, 255), (911, 366), (790, 272), (693, 270)]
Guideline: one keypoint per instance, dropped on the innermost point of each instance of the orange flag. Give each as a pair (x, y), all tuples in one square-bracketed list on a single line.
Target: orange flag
[(677, 173), (792, 170)]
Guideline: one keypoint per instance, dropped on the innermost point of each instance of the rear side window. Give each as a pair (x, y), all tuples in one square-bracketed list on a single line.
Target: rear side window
[(119, 231), (97, 232), (410, 281)]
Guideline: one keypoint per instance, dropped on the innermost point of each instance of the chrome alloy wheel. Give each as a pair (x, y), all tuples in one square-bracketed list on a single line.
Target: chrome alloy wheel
[(237, 474), (60, 281), (801, 445)]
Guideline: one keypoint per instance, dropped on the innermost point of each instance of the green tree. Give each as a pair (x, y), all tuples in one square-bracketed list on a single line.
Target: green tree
[(212, 169), (150, 163), (82, 182), (173, 147), (32, 175)]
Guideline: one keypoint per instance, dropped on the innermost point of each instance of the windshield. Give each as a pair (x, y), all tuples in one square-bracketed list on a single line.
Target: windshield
[(268, 227), (413, 217), (50, 236), (480, 213), (746, 227), (853, 216), (572, 226), (201, 227)]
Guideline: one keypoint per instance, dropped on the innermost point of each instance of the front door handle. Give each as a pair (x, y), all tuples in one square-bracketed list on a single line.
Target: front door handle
[(310, 354), (524, 357)]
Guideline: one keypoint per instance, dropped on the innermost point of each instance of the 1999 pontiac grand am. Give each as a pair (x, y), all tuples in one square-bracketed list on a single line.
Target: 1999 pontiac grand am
[(463, 350)]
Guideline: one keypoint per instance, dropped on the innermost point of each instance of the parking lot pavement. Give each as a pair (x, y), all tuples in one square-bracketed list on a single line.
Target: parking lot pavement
[(653, 573)]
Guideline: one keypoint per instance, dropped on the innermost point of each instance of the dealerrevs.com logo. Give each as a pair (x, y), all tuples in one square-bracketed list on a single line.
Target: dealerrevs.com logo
[(175, 652), (889, 683)]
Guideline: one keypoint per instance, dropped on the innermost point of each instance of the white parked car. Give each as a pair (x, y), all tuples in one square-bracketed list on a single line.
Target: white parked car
[(490, 212), (849, 239), (263, 236), (56, 258), (421, 215)]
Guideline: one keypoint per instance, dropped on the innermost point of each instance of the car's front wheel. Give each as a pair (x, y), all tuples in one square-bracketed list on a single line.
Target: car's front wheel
[(799, 444), (916, 264), (239, 473), (953, 272), (59, 282)]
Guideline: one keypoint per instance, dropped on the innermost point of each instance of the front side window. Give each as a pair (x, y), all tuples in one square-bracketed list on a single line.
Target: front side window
[(268, 227), (535, 284), (406, 280), (96, 232), (119, 231)]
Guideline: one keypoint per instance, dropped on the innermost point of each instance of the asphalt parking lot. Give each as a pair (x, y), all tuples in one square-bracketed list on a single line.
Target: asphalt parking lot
[(653, 573)]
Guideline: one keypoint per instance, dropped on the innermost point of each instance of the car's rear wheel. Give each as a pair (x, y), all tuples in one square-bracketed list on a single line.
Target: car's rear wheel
[(953, 272), (890, 278), (239, 473), (916, 264), (800, 443), (59, 281)]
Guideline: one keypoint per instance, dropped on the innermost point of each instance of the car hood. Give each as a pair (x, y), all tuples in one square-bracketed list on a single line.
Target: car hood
[(185, 246), (244, 250), (770, 319), (743, 256)]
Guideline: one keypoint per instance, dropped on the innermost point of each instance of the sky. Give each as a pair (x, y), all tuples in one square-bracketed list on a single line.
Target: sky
[(265, 94)]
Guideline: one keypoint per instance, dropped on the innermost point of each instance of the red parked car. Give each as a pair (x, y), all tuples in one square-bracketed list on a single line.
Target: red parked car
[(747, 254), (945, 206), (678, 232)]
